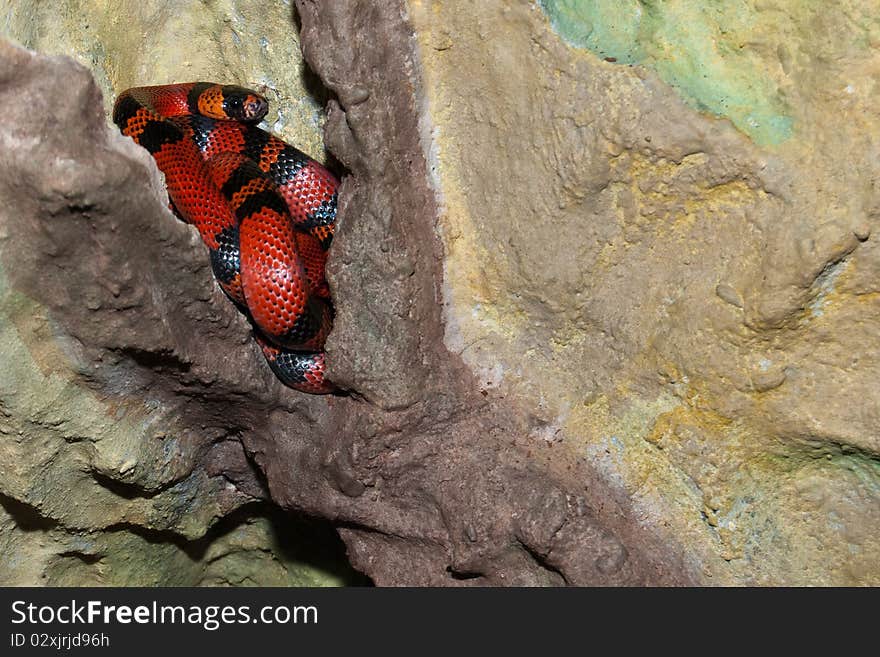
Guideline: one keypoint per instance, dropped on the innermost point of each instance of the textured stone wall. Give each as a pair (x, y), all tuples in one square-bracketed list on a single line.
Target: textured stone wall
[(102, 481), (604, 320), (696, 298), (126, 43)]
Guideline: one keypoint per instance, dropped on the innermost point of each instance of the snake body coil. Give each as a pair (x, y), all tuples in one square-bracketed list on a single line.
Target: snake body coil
[(265, 210)]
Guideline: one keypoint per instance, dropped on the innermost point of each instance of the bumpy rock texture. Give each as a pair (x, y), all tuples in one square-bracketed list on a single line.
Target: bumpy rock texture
[(126, 43), (699, 314), (592, 335), (107, 478)]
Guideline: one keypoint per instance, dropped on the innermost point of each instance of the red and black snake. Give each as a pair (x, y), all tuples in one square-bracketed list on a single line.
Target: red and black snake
[(265, 210)]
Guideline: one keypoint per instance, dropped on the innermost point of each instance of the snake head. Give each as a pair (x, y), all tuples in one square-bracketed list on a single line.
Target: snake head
[(243, 104)]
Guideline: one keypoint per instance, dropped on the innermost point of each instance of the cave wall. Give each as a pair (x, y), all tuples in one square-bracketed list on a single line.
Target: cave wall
[(695, 292), (103, 481), (602, 322)]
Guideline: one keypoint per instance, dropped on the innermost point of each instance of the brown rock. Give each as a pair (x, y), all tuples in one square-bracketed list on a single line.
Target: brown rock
[(425, 473), (591, 335)]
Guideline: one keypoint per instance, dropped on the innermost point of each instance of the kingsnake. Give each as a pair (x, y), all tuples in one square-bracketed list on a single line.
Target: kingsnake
[(265, 210)]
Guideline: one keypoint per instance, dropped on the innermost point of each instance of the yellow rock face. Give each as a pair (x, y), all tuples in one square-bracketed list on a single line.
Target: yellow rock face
[(693, 311), (128, 43)]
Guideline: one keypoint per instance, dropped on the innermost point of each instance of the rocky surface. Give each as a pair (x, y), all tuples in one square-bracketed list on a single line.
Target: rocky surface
[(108, 477), (699, 313), (127, 43), (591, 335)]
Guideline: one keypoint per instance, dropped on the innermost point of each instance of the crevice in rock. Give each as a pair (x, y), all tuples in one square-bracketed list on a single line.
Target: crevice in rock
[(27, 518), (254, 469), (805, 448), (84, 557), (542, 561), (157, 361), (300, 538), (317, 542), (464, 575), (129, 491)]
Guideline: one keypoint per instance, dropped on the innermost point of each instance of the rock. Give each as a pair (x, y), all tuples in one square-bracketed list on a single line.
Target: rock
[(102, 459), (673, 278), (591, 335), (248, 42)]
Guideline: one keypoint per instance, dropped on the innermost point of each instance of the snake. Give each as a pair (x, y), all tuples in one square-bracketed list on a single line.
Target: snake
[(265, 210)]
